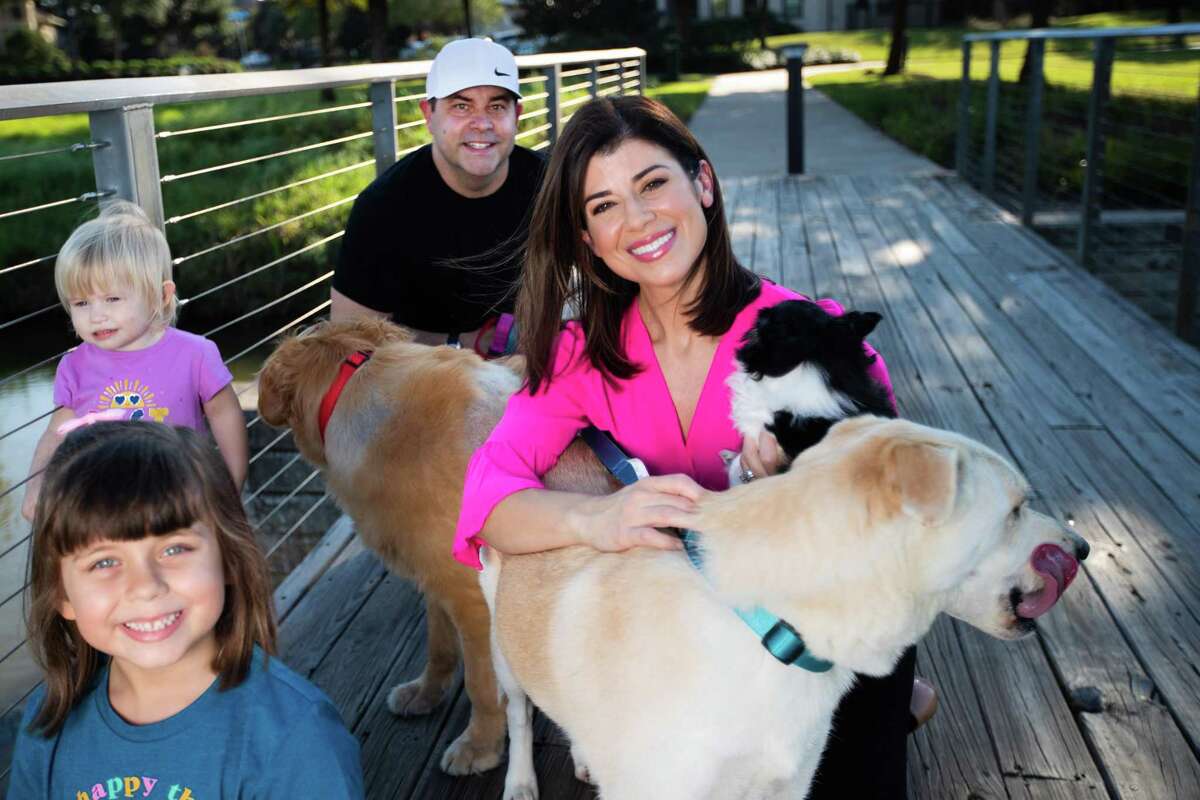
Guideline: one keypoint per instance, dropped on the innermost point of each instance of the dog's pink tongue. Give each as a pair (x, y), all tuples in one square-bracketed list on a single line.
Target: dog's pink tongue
[(1057, 568)]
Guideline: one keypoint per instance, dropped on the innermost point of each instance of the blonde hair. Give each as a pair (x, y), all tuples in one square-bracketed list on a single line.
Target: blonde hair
[(121, 247)]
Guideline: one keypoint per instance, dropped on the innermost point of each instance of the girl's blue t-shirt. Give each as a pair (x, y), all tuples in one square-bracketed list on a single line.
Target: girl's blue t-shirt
[(275, 735)]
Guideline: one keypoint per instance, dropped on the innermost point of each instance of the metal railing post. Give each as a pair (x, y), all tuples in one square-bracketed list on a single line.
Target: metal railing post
[(989, 132), (641, 75), (1093, 176), (595, 76), (620, 77), (794, 57), (553, 87), (964, 114), (1033, 128), (383, 123), (1189, 268), (128, 167)]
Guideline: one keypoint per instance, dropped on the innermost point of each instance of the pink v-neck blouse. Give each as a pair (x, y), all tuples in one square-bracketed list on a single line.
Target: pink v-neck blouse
[(638, 413)]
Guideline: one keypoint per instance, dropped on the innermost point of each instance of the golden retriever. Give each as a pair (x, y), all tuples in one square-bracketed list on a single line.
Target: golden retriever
[(394, 455), (665, 693)]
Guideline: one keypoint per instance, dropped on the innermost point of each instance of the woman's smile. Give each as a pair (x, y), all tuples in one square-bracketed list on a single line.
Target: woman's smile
[(653, 247)]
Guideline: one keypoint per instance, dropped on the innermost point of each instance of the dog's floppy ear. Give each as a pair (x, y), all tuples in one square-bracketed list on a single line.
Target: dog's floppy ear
[(861, 322), (925, 480), (277, 385)]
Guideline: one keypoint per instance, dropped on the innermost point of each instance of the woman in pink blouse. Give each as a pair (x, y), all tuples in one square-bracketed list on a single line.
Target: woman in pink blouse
[(629, 229)]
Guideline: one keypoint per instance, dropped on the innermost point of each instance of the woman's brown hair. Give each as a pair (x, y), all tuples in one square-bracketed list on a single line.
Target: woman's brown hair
[(124, 481), (599, 296)]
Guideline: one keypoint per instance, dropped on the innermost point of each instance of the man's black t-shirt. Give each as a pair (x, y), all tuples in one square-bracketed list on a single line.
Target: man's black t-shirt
[(413, 245)]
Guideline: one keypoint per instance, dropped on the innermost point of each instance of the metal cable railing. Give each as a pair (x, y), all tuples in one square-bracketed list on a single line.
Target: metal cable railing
[(86, 197), (1103, 157), (259, 120), (251, 232), (78, 147), (255, 159), (259, 195)]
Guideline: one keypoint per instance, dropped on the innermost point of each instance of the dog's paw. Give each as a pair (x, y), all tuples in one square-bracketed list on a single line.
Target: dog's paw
[(412, 699), (526, 790), (582, 773), (465, 757)]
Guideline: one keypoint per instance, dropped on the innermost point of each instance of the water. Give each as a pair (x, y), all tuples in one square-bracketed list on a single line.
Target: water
[(23, 399)]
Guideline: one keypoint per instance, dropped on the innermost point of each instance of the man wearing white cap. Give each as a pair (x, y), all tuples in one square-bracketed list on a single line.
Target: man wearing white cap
[(434, 242)]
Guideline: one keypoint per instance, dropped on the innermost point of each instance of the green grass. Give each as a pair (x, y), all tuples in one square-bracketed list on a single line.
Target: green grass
[(44, 179), (683, 96), (937, 53), (1149, 126)]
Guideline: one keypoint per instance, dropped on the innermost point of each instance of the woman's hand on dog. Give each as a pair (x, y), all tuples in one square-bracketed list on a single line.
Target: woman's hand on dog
[(632, 517), (762, 456)]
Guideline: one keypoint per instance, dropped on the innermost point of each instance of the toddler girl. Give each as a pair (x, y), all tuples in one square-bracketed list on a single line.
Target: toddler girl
[(150, 613), (113, 276)]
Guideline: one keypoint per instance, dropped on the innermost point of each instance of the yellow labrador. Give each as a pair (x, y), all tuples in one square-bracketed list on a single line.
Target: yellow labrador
[(666, 693)]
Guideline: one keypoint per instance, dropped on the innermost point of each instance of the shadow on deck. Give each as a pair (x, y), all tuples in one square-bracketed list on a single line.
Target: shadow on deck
[(989, 332)]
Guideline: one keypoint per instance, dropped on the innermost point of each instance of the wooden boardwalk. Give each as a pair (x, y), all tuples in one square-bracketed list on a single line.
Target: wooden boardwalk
[(987, 332)]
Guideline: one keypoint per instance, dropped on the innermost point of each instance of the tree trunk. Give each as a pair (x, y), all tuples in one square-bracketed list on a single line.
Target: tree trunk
[(116, 12), (467, 16), (762, 23), (323, 41), (1175, 16), (377, 11), (1040, 11), (898, 50)]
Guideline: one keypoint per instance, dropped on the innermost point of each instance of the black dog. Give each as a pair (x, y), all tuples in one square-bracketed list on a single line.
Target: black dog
[(800, 370)]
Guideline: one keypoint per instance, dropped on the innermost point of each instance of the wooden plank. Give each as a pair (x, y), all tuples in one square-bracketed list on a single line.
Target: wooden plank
[(389, 627), (767, 239), (1137, 430), (552, 763), (823, 257), (951, 755), (1100, 300), (796, 272), (982, 327), (1177, 360), (1175, 411), (742, 227), (398, 751), (324, 613), (995, 232), (1035, 732), (309, 571), (1148, 574), (1035, 788)]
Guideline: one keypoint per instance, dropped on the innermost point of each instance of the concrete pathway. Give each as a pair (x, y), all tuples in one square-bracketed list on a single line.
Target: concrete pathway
[(742, 125)]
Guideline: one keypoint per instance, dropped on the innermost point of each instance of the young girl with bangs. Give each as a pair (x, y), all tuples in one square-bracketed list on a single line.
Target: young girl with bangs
[(113, 277), (150, 614)]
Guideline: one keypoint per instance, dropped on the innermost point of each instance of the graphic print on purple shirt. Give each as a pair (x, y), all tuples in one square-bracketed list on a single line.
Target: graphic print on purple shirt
[(169, 381)]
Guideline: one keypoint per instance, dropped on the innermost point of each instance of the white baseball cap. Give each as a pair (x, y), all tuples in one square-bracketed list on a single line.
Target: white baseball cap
[(472, 62)]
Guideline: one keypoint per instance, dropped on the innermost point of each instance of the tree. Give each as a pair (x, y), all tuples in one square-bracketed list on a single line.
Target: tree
[(1040, 18), (377, 12), (898, 51)]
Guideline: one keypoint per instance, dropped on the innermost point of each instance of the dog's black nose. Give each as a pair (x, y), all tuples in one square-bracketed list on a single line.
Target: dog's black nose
[(1081, 550)]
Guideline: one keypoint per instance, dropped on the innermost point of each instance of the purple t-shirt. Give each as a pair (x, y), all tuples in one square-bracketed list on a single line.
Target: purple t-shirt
[(169, 381)]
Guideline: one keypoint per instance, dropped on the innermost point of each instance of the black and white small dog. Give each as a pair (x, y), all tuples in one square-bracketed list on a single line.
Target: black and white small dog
[(800, 370)]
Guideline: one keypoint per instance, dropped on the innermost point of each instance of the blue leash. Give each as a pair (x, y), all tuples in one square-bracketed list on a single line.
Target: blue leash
[(776, 635)]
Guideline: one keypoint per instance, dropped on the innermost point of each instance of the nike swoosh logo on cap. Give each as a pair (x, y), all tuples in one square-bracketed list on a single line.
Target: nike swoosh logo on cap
[(501, 74)]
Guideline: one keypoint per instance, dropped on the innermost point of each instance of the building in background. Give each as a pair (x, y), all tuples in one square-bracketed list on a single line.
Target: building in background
[(822, 15), (24, 15)]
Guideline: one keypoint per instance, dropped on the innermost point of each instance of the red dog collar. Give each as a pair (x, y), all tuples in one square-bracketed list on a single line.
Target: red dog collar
[(345, 371)]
